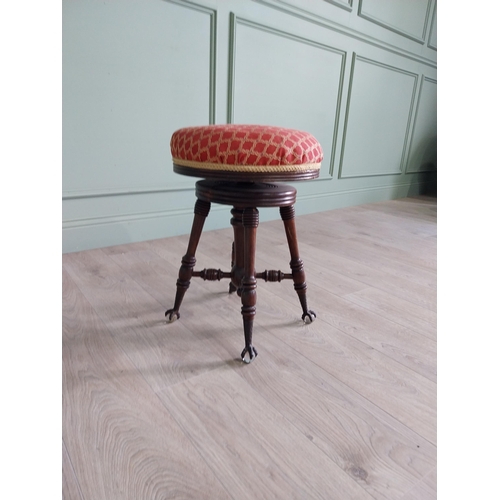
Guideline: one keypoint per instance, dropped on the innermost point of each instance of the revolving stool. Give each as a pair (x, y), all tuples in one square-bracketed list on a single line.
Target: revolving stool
[(240, 165)]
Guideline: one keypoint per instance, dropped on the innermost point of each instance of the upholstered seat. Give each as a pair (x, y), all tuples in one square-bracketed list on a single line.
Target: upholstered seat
[(237, 163), (239, 151)]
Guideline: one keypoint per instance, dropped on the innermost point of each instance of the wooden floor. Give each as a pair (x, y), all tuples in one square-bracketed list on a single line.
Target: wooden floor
[(343, 408)]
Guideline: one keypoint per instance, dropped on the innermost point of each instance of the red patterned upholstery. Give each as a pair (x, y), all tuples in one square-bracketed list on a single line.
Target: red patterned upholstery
[(244, 148)]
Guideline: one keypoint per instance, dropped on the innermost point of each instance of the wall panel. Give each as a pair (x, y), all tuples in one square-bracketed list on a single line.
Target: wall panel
[(376, 131), (433, 31), (423, 149), (307, 93), (322, 13), (406, 17), (127, 85)]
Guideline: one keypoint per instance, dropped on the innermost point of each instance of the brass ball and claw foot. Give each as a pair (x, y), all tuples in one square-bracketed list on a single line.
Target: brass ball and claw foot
[(172, 315), (248, 354), (311, 315)]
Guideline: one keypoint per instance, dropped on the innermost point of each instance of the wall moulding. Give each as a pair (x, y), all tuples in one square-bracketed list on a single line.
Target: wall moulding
[(135, 216), (77, 195), (432, 43), (350, 197), (104, 231), (347, 4), (429, 141), (357, 112), (122, 78), (325, 22), (235, 22), (363, 13), (213, 49), (98, 232)]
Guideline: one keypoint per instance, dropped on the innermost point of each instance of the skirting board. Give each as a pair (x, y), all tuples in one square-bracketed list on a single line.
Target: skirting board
[(102, 232)]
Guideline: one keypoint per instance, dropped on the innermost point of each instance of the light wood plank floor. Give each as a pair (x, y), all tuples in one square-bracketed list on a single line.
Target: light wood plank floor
[(343, 408)]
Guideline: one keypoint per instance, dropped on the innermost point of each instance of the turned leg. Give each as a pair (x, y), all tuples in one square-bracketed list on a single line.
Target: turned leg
[(296, 264), (201, 210), (237, 263), (232, 288), (249, 283)]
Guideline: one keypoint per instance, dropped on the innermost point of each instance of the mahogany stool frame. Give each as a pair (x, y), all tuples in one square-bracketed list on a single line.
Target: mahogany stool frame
[(245, 198)]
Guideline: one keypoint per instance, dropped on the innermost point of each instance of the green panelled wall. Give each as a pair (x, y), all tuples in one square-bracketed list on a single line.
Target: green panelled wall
[(358, 74)]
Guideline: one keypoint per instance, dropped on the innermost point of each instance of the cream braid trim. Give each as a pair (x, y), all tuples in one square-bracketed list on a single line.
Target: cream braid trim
[(245, 168)]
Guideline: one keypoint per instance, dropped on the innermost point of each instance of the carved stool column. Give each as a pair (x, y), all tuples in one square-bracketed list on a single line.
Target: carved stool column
[(249, 283)]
